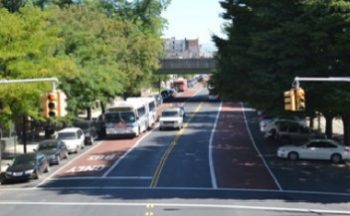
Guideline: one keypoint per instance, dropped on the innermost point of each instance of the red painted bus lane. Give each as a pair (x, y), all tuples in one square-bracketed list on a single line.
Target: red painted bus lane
[(98, 160), (237, 163)]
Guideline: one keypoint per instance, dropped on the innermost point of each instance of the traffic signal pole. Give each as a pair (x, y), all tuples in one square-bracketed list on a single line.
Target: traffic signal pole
[(54, 82), (297, 80)]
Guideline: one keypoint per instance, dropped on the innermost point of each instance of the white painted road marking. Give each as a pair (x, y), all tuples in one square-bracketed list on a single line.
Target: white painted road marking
[(86, 168), (99, 178), (258, 151), (211, 164), (180, 205), (280, 192), (69, 163), (126, 153)]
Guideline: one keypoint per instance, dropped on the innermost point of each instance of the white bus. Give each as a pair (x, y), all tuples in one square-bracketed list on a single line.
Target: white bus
[(151, 108), (126, 118)]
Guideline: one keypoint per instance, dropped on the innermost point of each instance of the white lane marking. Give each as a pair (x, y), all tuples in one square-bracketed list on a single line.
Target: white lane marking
[(180, 189), (126, 153), (99, 178), (134, 146), (69, 163), (258, 151), (181, 205), (211, 164)]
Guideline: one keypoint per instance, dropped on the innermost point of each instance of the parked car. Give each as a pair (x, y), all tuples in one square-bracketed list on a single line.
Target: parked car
[(54, 150), (289, 131), (267, 123), (89, 128), (73, 138), (26, 167), (318, 149), (172, 118)]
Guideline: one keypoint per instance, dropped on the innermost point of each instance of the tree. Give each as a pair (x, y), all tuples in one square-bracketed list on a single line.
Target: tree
[(271, 42)]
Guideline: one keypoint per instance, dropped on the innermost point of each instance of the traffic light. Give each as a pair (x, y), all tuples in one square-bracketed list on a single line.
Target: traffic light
[(300, 99), (289, 100), (62, 103), (52, 104)]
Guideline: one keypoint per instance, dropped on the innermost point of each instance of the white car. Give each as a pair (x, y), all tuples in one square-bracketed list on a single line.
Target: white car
[(73, 138), (171, 118), (318, 149)]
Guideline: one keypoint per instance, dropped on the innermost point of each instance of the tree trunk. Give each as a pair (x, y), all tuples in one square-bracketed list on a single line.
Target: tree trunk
[(88, 112), (103, 108), (24, 133), (329, 125), (346, 123)]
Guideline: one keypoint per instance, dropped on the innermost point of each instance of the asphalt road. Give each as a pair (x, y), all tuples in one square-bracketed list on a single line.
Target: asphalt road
[(215, 165)]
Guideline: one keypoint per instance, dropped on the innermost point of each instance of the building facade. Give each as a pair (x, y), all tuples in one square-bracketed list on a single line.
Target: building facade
[(186, 48)]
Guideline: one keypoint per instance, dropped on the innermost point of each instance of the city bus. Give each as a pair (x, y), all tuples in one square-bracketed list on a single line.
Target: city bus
[(126, 118), (151, 109)]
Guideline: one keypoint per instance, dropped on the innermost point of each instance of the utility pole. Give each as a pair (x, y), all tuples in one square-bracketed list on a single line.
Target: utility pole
[(54, 82)]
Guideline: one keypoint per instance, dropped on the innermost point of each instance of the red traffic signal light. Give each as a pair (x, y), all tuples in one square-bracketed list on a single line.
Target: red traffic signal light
[(52, 106)]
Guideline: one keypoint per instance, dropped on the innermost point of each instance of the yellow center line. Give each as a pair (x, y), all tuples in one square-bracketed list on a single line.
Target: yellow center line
[(166, 154)]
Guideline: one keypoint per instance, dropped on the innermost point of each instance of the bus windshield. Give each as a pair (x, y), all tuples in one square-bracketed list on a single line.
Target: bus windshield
[(120, 117)]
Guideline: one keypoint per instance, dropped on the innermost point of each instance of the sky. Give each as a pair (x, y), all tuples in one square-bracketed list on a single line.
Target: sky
[(193, 19)]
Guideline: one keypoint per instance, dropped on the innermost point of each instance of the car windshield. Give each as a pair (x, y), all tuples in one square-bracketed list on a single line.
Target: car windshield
[(67, 136), (24, 160), (120, 117), (47, 145), (170, 114)]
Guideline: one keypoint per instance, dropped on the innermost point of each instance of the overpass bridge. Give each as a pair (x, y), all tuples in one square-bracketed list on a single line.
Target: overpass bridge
[(187, 66)]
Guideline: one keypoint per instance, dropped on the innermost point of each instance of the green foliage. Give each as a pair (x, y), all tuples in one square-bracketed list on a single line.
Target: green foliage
[(28, 46), (269, 42), (96, 54)]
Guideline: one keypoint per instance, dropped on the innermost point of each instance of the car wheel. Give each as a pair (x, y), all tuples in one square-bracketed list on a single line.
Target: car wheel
[(336, 158), (293, 156)]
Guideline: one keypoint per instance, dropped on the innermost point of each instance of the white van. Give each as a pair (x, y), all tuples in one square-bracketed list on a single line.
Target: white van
[(151, 108), (73, 138)]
